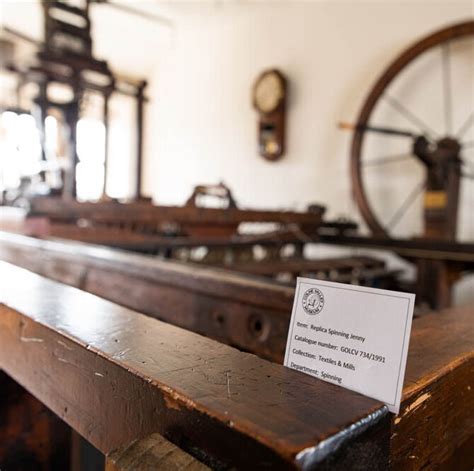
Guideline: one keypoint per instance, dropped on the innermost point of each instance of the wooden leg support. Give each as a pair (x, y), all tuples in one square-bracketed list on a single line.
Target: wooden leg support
[(435, 282), (153, 453), (435, 427), (31, 436)]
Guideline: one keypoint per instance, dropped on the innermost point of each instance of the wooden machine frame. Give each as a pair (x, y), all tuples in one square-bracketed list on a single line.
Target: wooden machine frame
[(61, 336), (66, 57)]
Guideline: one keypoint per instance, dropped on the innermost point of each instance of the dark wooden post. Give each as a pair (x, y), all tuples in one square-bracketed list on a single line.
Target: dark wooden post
[(31, 436), (42, 103), (140, 115), (442, 201), (443, 166), (72, 117), (106, 118)]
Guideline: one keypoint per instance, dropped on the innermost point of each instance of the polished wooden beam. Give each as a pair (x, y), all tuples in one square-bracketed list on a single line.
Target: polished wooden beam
[(250, 313), (435, 427), (116, 376)]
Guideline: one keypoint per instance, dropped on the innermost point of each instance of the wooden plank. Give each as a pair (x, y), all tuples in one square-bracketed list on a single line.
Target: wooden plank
[(250, 313), (411, 249), (116, 376), (436, 420), (341, 269), (140, 212), (298, 265), (153, 453), (134, 237), (211, 281)]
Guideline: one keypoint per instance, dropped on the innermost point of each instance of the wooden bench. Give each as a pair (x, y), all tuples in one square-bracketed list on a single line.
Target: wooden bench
[(117, 376), (228, 307), (244, 311)]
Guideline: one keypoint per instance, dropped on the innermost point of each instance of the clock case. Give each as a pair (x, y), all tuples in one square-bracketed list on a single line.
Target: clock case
[(271, 125)]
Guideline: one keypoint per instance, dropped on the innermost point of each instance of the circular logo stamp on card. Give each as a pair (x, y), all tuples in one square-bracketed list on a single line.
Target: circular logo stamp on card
[(313, 301)]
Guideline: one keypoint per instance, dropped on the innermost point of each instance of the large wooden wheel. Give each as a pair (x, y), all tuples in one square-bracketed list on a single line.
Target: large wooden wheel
[(431, 73)]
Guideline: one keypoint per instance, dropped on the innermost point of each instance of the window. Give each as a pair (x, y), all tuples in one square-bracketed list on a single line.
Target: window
[(91, 153), (20, 149)]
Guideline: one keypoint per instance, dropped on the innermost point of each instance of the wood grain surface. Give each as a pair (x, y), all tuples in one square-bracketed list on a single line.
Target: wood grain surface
[(435, 424), (116, 376), (247, 312), (435, 427)]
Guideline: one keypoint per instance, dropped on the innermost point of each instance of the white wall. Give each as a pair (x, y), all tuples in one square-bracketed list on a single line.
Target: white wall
[(202, 128)]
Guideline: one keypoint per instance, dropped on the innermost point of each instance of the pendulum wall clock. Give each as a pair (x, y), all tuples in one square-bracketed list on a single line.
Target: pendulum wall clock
[(269, 100)]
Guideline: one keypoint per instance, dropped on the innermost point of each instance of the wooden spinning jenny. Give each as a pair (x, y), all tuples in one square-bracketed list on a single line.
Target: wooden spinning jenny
[(440, 154)]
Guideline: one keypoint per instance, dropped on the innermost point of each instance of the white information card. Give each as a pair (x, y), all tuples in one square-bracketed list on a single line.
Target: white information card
[(353, 336)]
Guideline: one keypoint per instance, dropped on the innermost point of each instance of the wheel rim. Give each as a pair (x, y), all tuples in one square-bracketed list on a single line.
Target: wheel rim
[(390, 73)]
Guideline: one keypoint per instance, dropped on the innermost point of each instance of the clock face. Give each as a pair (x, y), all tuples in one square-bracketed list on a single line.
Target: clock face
[(268, 92)]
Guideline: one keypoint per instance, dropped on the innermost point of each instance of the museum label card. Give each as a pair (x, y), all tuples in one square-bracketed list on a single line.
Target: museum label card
[(353, 336)]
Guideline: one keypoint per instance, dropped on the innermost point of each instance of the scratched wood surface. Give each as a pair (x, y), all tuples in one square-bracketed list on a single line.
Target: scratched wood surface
[(115, 376), (439, 360), (435, 427)]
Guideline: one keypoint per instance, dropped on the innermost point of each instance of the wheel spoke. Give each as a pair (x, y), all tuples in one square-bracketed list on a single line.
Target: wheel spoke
[(448, 107), (410, 199), (466, 125), (387, 160), (379, 129), (468, 170), (410, 116)]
